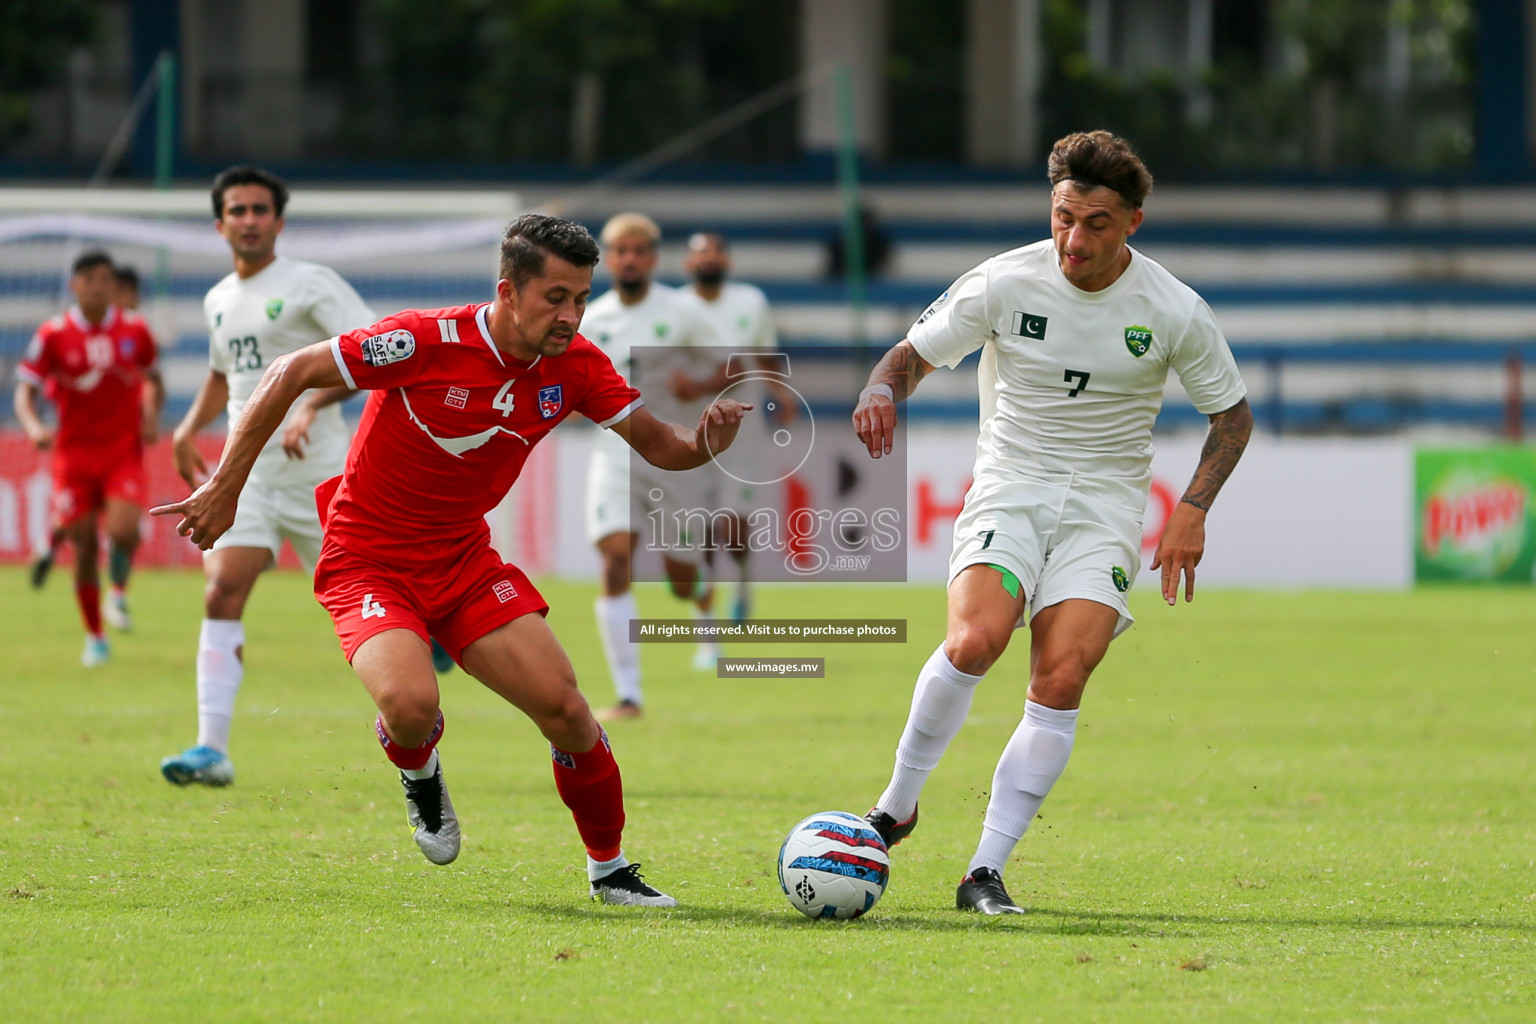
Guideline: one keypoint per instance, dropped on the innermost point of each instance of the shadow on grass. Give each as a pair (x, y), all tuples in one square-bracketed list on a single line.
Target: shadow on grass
[(785, 919), (1033, 921), (1092, 922)]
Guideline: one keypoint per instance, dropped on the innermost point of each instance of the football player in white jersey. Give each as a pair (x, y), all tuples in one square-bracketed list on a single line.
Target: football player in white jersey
[(268, 306), (1077, 335), (636, 312), (742, 321)]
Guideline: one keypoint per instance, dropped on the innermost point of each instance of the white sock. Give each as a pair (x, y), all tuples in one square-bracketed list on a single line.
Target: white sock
[(603, 868), (707, 648), (219, 672), (613, 615), (1033, 760), (940, 702), (426, 771)]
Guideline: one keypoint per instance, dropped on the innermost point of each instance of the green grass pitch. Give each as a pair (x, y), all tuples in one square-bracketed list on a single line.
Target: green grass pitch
[(1282, 807)]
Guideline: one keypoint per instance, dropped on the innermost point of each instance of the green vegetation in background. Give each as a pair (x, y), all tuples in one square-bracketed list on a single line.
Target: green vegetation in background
[(498, 79), (36, 39), (1295, 85)]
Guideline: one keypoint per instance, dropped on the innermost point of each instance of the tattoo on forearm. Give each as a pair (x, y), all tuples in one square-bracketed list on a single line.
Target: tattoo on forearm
[(901, 368), (1224, 445)]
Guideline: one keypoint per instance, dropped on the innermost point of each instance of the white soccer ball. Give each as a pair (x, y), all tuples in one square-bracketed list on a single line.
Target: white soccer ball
[(833, 864)]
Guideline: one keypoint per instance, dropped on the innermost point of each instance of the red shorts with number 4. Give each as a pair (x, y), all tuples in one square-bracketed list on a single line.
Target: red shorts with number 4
[(456, 601), (84, 482)]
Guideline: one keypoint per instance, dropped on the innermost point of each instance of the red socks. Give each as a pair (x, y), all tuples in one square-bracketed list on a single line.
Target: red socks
[(590, 785), (409, 758), (89, 596)]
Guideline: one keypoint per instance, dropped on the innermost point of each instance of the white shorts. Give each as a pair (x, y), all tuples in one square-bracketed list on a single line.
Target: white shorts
[(265, 517), (664, 499), (1059, 542)]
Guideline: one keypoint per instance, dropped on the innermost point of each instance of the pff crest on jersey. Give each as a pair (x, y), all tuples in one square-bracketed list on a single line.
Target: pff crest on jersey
[(274, 308), (1138, 339), (383, 349)]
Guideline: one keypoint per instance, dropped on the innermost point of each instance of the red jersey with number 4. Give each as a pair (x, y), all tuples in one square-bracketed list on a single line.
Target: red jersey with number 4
[(448, 427), (97, 372)]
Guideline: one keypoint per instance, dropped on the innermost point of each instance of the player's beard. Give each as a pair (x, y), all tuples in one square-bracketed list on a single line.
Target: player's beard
[(556, 344), (632, 288), (709, 278)]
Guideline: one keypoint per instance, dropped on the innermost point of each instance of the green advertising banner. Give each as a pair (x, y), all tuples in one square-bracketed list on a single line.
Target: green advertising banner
[(1474, 514)]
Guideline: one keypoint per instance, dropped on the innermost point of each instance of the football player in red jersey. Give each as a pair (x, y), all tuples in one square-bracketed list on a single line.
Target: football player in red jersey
[(99, 364), (459, 398)]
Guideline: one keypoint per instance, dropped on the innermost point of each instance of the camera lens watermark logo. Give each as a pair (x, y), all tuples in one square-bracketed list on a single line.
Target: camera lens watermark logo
[(793, 495), (794, 423)]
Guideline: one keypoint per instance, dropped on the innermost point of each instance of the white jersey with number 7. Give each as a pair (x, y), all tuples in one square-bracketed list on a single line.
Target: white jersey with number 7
[(1072, 381)]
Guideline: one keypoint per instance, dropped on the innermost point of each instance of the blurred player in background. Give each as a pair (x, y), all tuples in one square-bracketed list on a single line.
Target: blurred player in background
[(268, 306), (100, 367), (459, 398), (742, 322), (637, 312), (1078, 333), (127, 290)]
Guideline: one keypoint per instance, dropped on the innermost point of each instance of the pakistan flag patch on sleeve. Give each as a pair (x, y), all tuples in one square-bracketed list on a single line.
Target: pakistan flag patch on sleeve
[(1138, 339)]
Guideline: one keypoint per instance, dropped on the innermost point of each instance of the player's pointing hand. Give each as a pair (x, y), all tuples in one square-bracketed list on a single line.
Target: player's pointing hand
[(206, 514)]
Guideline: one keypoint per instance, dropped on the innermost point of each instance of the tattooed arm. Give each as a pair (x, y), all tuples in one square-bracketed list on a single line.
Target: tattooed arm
[(1183, 540), (874, 418)]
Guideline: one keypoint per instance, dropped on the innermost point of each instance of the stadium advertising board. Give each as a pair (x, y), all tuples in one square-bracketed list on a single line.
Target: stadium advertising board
[(1297, 513), (1474, 519), (25, 487)]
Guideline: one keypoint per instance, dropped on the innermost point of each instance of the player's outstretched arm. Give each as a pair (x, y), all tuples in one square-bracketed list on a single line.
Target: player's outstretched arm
[(152, 404), (211, 398), (675, 447), (210, 510), (1183, 541), (894, 377)]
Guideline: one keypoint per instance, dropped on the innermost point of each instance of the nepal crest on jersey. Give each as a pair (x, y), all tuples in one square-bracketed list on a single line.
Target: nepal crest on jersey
[(550, 401), (383, 349)]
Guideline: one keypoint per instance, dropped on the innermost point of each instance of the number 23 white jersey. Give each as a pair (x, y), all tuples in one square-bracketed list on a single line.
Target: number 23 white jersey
[(287, 305), (1072, 381)]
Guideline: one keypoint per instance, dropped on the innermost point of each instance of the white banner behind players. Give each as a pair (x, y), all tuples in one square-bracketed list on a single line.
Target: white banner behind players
[(1297, 513)]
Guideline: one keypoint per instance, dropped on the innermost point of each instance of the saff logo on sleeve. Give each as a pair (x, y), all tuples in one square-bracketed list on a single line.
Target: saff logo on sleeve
[(550, 400), (1029, 325), (1138, 339), (934, 307), (383, 349)]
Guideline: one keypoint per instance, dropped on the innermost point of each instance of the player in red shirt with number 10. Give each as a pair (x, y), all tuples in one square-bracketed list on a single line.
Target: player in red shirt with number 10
[(459, 398), (98, 363)]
